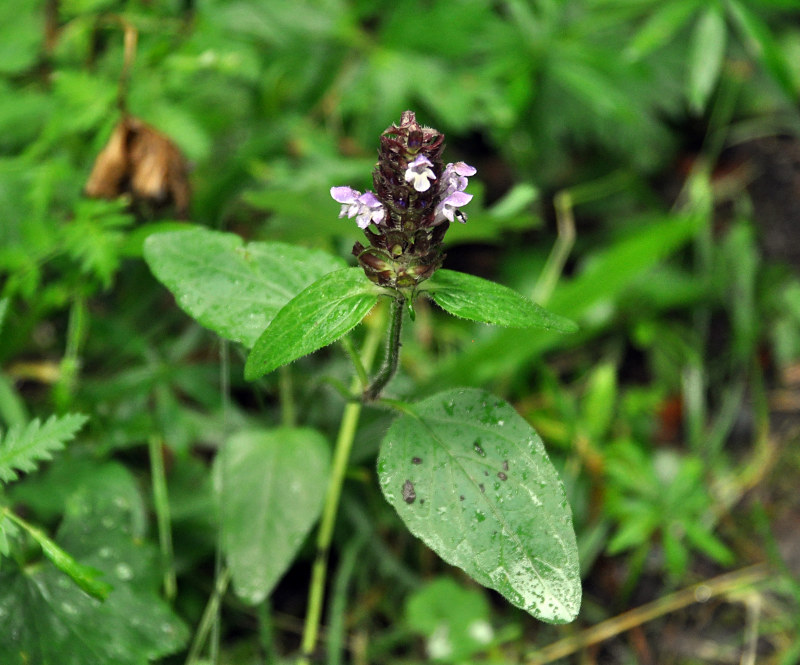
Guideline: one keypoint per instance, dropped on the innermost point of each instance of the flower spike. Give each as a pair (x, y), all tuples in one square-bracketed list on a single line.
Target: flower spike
[(416, 198)]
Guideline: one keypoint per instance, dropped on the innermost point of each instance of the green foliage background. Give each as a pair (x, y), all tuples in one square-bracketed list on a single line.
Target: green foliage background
[(666, 131)]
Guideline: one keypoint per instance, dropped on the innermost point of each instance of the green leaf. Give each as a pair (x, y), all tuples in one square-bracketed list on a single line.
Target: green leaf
[(477, 299), (707, 542), (21, 37), (598, 407), (608, 273), (95, 237), (23, 447), (661, 27), (273, 487), (233, 288), (44, 619), (759, 40), (706, 56), (454, 620), (8, 531), (85, 577), (472, 479), (318, 316)]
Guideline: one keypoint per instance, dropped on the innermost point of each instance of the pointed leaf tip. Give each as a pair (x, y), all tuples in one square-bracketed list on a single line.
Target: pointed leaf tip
[(472, 480), (319, 315), (477, 299)]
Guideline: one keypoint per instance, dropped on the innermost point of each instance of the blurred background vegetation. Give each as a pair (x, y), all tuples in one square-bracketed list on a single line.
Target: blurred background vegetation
[(638, 171)]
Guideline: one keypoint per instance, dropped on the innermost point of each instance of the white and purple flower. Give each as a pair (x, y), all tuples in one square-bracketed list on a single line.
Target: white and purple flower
[(454, 180), (420, 174), (366, 207)]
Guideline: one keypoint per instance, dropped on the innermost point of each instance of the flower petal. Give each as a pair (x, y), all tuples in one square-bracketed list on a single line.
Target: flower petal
[(344, 194), (464, 169)]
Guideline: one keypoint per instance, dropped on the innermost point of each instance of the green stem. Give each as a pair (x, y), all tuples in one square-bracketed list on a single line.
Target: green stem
[(288, 412), (565, 221), (265, 632), (350, 349), (341, 455), (392, 353), (161, 503), (209, 618), (344, 443), (70, 363), (336, 623)]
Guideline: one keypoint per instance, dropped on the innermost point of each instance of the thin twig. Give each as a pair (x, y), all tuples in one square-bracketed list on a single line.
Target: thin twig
[(605, 630)]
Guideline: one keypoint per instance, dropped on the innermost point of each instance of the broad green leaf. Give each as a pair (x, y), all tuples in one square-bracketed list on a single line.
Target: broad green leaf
[(318, 316), (477, 299), (231, 287), (23, 447), (273, 486), (45, 619), (3, 310), (472, 479), (706, 56)]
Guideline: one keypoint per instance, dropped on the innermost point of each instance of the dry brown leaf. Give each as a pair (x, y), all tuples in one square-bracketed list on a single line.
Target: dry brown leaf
[(141, 161)]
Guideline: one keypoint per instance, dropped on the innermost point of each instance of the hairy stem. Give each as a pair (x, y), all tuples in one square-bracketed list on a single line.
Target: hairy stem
[(392, 353)]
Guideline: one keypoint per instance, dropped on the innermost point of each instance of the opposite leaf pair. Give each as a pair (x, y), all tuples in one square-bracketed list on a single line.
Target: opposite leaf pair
[(463, 470)]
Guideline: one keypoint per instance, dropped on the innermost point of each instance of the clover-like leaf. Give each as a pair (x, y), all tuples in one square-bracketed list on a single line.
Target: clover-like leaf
[(472, 479), (231, 287), (318, 316), (478, 299)]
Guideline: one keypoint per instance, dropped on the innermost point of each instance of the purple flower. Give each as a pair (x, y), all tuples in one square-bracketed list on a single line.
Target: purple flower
[(366, 207), (447, 208), (419, 173), (454, 181)]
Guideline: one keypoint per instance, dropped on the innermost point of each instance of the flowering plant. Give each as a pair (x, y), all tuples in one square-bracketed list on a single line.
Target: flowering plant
[(417, 197), (463, 470)]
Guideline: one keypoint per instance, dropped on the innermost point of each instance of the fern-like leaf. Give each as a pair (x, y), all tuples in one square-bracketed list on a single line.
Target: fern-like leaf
[(23, 448)]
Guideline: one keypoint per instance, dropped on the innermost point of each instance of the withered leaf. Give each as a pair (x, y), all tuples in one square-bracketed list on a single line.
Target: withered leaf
[(141, 161)]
